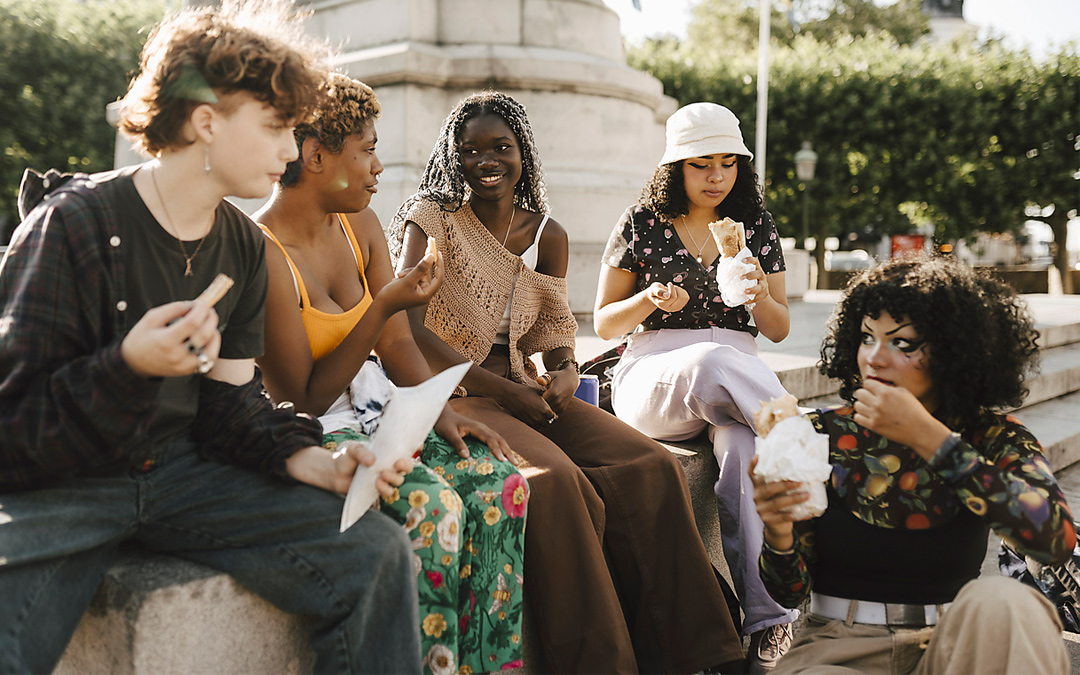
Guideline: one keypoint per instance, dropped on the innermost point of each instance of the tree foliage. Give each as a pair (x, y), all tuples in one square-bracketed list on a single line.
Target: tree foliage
[(961, 137), (64, 61)]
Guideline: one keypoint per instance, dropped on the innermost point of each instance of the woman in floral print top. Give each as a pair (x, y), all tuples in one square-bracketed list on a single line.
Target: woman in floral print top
[(922, 465), (692, 363)]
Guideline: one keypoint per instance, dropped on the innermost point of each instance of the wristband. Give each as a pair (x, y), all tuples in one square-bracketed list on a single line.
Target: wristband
[(770, 549)]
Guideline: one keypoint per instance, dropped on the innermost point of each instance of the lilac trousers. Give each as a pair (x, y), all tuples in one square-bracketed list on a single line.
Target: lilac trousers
[(672, 384)]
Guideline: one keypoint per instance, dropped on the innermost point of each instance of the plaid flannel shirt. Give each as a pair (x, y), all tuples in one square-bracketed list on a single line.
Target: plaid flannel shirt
[(68, 400)]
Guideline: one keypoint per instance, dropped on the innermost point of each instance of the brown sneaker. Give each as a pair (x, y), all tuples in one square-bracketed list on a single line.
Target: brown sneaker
[(767, 646)]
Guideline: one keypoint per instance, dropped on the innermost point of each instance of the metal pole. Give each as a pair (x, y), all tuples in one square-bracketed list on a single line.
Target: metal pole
[(805, 214), (762, 89)]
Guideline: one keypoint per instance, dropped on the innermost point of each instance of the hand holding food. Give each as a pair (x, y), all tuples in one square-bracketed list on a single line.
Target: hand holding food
[(790, 449), (732, 266)]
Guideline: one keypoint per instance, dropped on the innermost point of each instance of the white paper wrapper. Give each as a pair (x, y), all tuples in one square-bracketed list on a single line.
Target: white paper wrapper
[(793, 450), (734, 289), (408, 416)]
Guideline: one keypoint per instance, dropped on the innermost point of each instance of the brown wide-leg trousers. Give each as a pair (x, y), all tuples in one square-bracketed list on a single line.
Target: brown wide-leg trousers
[(599, 486)]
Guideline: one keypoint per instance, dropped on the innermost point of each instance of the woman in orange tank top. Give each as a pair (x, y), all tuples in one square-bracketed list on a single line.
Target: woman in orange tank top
[(464, 504)]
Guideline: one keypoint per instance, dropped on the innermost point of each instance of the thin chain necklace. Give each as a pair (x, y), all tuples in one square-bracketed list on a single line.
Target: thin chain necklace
[(509, 225), (699, 248), (183, 251)]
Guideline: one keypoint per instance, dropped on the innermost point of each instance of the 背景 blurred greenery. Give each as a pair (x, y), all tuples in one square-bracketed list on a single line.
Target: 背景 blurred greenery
[(63, 62)]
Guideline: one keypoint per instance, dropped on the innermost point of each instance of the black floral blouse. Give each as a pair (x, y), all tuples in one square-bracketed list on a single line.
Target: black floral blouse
[(649, 246), (997, 476)]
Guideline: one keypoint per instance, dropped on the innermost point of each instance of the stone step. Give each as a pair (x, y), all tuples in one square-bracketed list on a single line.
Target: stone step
[(1056, 423)]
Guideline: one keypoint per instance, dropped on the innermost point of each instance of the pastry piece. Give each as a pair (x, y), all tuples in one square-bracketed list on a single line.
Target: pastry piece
[(773, 411), (793, 450), (432, 249), (730, 236), (216, 290)]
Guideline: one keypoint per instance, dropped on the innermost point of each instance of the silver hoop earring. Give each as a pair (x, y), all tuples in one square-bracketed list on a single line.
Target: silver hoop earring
[(206, 159)]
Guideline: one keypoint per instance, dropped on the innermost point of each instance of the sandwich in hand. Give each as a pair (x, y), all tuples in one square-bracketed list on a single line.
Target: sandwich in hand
[(731, 266), (789, 448)]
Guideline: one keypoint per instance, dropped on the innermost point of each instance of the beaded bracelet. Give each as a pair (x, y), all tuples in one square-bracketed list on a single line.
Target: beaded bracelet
[(562, 364)]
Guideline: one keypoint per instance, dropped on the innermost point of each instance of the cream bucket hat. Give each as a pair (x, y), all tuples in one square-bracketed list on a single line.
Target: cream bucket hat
[(700, 129)]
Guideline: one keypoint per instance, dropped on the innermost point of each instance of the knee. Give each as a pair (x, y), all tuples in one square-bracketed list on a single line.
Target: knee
[(657, 460), (383, 539), (1002, 597)]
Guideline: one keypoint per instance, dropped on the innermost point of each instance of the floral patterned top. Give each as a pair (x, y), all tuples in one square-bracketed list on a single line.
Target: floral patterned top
[(649, 246), (901, 529)]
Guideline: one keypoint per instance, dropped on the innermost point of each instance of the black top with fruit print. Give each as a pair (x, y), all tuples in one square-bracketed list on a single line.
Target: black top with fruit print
[(903, 530), (648, 246)]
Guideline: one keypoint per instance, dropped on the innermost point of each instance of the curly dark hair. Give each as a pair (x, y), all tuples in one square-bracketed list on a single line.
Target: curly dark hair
[(347, 107), (203, 54), (444, 180), (981, 339), (665, 193)]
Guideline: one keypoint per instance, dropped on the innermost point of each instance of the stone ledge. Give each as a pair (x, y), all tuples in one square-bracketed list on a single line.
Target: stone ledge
[(159, 614)]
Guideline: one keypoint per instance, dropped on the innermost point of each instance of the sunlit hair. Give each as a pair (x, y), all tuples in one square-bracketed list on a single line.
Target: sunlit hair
[(204, 54), (980, 338), (665, 193), (348, 108), (444, 180)]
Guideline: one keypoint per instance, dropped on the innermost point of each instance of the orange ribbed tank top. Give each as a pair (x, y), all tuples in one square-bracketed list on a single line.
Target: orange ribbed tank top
[(325, 331)]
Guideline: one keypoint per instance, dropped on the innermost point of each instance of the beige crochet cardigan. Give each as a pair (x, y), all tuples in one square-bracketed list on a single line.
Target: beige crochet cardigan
[(478, 279)]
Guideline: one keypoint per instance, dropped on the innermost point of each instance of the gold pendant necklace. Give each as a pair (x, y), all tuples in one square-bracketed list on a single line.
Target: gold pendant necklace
[(513, 212), (699, 248), (183, 251)]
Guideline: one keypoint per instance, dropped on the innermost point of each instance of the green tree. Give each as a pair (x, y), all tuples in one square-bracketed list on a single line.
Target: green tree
[(733, 24), (64, 61)]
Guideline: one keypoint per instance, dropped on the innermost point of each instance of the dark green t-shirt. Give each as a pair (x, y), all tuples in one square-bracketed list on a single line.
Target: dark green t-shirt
[(154, 275)]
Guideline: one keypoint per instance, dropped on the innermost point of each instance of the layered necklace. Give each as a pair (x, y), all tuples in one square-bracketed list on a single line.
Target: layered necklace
[(699, 248), (175, 232)]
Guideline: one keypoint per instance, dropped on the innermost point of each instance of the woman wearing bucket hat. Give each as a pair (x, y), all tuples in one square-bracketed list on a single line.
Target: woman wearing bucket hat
[(691, 362)]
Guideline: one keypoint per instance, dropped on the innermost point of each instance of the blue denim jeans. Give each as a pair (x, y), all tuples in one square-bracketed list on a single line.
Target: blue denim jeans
[(279, 540)]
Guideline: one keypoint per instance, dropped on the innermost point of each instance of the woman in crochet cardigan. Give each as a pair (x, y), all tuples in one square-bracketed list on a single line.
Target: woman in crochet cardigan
[(597, 485)]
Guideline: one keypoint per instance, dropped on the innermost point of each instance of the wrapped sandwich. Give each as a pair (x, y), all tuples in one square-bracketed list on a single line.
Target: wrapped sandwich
[(732, 265), (789, 448)]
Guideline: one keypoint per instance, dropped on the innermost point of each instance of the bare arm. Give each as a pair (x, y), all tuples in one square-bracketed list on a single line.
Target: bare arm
[(440, 355), (771, 314), (619, 310), (401, 357), (290, 372), (524, 402)]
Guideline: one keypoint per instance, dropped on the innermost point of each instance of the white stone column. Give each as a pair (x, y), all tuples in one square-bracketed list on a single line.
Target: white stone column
[(599, 124)]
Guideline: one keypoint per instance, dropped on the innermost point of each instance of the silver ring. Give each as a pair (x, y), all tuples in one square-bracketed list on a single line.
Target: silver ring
[(191, 347), (204, 363)]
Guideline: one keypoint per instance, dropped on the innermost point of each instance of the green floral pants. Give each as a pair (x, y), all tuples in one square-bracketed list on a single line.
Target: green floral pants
[(466, 518)]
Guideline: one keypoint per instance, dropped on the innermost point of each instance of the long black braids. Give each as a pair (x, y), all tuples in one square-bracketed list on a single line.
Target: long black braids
[(444, 181)]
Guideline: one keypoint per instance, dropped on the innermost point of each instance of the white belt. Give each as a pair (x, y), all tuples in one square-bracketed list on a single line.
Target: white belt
[(876, 613)]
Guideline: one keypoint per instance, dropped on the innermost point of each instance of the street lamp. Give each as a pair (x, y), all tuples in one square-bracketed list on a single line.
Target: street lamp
[(805, 163)]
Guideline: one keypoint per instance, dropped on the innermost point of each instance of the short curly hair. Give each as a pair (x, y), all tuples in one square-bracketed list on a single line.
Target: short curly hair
[(980, 335), (444, 179), (348, 107), (665, 193), (203, 54)]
